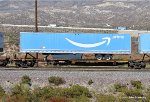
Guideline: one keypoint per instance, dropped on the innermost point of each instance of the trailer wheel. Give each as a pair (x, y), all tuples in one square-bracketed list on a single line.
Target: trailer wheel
[(107, 57), (99, 57)]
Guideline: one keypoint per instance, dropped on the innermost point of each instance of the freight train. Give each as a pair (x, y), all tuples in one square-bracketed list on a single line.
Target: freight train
[(68, 49)]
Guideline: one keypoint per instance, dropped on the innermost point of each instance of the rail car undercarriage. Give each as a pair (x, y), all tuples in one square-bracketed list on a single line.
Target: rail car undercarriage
[(33, 60)]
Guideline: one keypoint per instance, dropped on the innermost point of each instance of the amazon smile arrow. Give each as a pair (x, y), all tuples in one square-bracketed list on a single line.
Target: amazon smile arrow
[(106, 39)]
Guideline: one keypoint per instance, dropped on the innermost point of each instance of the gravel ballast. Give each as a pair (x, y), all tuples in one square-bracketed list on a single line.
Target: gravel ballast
[(102, 79)]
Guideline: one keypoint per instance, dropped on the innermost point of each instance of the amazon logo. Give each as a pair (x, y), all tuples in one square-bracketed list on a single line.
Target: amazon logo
[(105, 40)]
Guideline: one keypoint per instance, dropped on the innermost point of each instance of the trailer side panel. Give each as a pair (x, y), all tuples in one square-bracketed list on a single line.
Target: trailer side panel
[(75, 43)]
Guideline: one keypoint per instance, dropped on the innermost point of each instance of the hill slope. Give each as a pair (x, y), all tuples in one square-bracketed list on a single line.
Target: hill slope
[(80, 13)]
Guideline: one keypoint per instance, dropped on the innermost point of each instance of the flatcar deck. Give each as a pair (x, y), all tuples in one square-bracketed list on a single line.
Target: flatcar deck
[(88, 62)]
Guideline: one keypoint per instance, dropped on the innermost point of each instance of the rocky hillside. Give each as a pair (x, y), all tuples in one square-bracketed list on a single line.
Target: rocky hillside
[(134, 14)]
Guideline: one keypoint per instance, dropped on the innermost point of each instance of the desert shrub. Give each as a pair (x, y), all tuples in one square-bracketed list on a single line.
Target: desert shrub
[(21, 92), (48, 93), (90, 82), (56, 80), (60, 99), (38, 95), (80, 99), (63, 94), (134, 93), (148, 97), (137, 84), (26, 80), (2, 92), (45, 92), (19, 98), (16, 90), (77, 91), (105, 98), (120, 87), (126, 100)]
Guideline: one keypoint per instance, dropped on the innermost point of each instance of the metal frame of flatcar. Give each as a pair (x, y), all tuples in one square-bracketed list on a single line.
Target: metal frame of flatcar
[(84, 62), (30, 62), (26, 62), (4, 62), (139, 63)]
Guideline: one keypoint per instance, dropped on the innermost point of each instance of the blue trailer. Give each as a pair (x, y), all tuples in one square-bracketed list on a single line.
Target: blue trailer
[(144, 44), (76, 43), (4, 60), (1, 41)]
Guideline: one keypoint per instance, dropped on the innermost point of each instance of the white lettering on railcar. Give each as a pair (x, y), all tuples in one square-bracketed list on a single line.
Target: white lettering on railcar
[(118, 37)]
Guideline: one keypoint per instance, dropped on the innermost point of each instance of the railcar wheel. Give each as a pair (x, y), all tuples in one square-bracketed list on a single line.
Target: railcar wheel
[(3, 63), (30, 63), (142, 65), (131, 65), (99, 57), (18, 64), (51, 63), (24, 65)]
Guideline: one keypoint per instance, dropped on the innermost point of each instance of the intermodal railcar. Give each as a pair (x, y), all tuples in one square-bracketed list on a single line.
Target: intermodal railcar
[(68, 48)]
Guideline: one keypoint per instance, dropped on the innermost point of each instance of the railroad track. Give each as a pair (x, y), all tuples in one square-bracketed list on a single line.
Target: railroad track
[(77, 68)]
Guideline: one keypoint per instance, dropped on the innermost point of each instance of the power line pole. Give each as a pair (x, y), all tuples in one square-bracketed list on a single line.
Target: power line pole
[(36, 21), (36, 28)]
